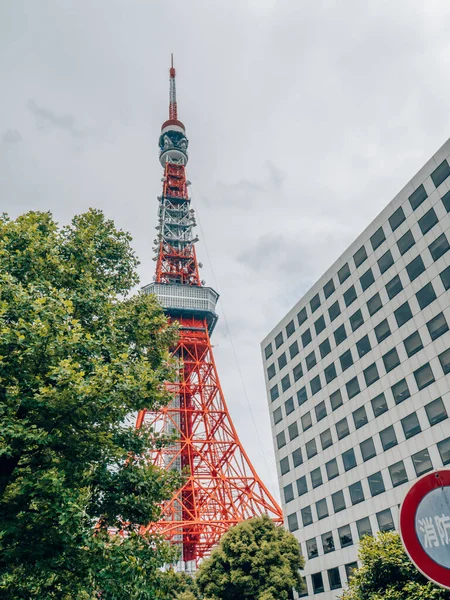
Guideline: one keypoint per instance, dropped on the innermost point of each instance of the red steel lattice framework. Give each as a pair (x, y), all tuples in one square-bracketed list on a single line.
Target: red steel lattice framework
[(221, 486)]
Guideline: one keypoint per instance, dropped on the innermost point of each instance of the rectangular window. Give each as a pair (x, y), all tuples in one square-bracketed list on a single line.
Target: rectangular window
[(428, 221), (344, 273), (297, 457), (302, 486), (366, 279), (322, 508), (391, 360), (350, 568), (382, 331), (363, 526), (376, 483), (334, 578), (437, 326), (378, 238), (345, 536), (306, 338), (353, 388), (281, 440), (319, 325), (397, 218), (340, 335), (403, 314), (385, 520), (334, 311), (293, 431), (349, 459), (426, 295), (371, 374), (444, 451), (360, 417), (415, 268), (316, 385), (413, 343), (444, 359), (356, 492), (363, 346), (388, 438), (441, 173), (317, 583), (411, 425), (406, 242), (292, 522), (424, 376), (446, 201), (297, 372), (360, 256), (342, 429), (327, 542), (302, 396), (400, 391), (445, 276), (330, 373), (289, 406), (306, 421), (379, 405), (417, 197), (332, 469), (284, 465), (311, 548), (285, 383), (436, 411), (367, 448), (350, 295), (271, 371), (394, 287), (398, 474), (321, 411), (290, 328), (346, 360), (268, 351), (439, 247), (336, 399), (356, 320), (274, 393), (279, 340), (326, 439), (338, 501), (325, 348), (422, 462), (307, 516), (293, 349), (328, 288), (374, 304), (282, 362), (302, 316), (311, 361), (315, 303), (385, 262), (288, 493), (311, 448), (316, 477), (277, 416)]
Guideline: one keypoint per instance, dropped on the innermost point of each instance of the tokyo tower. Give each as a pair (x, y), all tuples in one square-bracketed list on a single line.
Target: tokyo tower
[(221, 487)]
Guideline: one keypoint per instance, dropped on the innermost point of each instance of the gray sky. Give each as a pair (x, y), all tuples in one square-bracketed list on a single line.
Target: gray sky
[(304, 120)]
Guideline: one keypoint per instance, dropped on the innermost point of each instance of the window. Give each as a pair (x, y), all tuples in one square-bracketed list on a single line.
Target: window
[(293, 431), (379, 405), (426, 295), (411, 425), (366, 279), (406, 242), (360, 417), (311, 360), (444, 451), (441, 173), (413, 343), (376, 483), (367, 448), (417, 197), (422, 462), (274, 393), (444, 359), (290, 328), (342, 429), (293, 350), (385, 520), (350, 295), (338, 501), (321, 411), (415, 268), (297, 372), (374, 304), (268, 351), (332, 469), (356, 320), (292, 522), (363, 346), (316, 477), (394, 287), (322, 508), (285, 383), (302, 486), (317, 583), (360, 256), (424, 376), (289, 406), (334, 311), (340, 335), (398, 474), (446, 201), (445, 274), (397, 218), (281, 440), (391, 360), (403, 314), (334, 578), (400, 391), (345, 536), (325, 348), (388, 438), (284, 465), (385, 262), (382, 331), (277, 416), (346, 360), (307, 516), (437, 326), (315, 303), (326, 439), (311, 548), (311, 448), (349, 568), (316, 385), (344, 273), (279, 340), (436, 411), (378, 238), (302, 316), (271, 371), (319, 325), (297, 457), (428, 221), (371, 374), (439, 247), (288, 493), (336, 399), (349, 459), (302, 396), (353, 387), (306, 338), (328, 288), (330, 373), (363, 526), (306, 421), (356, 492), (327, 542)]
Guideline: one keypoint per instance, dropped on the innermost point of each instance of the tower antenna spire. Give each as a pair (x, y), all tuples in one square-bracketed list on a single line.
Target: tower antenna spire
[(173, 111)]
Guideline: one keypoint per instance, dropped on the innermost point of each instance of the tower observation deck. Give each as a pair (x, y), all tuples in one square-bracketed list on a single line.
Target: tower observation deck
[(221, 487)]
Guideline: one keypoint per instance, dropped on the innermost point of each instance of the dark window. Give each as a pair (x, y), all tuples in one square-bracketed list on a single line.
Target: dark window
[(446, 201), (306, 338), (317, 583), (415, 268), (284, 465), (360, 256), (306, 421), (297, 372), (437, 326), (445, 276), (388, 438), (428, 221), (391, 360), (338, 501), (328, 288), (316, 385), (424, 376), (360, 417), (292, 522), (290, 328), (311, 448), (444, 359), (411, 425), (382, 331), (349, 459), (397, 218), (403, 314), (345, 536), (325, 439), (340, 335), (334, 578), (319, 325), (400, 391), (367, 448), (297, 457), (322, 508), (293, 431), (281, 440), (344, 273), (356, 320), (324, 348), (277, 416), (371, 374), (379, 405), (378, 238), (311, 548), (385, 520), (353, 388), (289, 406), (311, 361), (398, 473), (334, 311), (436, 411), (422, 462), (316, 477), (302, 397), (330, 373), (417, 197), (363, 526), (374, 304), (302, 486), (315, 303), (350, 568), (274, 393), (282, 362), (342, 429), (385, 262), (346, 360), (307, 516), (363, 346), (413, 344), (271, 371), (336, 399), (302, 316), (406, 242), (376, 483), (321, 411), (441, 173), (332, 468), (328, 542), (350, 295), (444, 451), (268, 351), (285, 383), (394, 287), (439, 246), (279, 340), (366, 279), (356, 492), (288, 493), (293, 349)]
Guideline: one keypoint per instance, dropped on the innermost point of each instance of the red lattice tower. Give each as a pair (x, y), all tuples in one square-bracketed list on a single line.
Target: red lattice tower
[(221, 487)]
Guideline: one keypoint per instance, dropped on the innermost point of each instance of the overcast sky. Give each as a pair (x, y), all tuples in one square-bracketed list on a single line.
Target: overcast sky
[(304, 118)]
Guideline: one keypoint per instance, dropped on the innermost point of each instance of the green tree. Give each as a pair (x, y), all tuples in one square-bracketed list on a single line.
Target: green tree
[(387, 573), (255, 560), (78, 356)]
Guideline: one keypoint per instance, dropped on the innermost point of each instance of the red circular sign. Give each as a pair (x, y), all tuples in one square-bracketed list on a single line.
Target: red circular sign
[(425, 526)]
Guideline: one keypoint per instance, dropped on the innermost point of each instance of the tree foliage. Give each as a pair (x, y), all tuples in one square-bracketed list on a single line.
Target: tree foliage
[(255, 560), (77, 356), (388, 574)]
